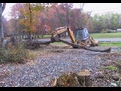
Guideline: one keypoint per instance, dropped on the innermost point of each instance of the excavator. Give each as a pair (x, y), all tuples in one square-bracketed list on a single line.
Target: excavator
[(79, 39), (81, 36)]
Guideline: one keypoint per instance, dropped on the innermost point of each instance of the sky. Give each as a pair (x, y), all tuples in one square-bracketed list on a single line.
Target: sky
[(7, 10), (100, 8), (96, 8)]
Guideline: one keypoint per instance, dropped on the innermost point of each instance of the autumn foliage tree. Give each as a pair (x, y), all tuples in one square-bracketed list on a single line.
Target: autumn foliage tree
[(28, 19), (27, 16)]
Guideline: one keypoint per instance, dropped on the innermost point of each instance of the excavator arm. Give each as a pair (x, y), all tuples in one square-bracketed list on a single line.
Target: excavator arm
[(60, 30), (55, 34)]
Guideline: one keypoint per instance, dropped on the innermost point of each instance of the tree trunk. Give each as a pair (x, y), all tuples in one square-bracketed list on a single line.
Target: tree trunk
[(2, 7), (84, 47), (0, 24)]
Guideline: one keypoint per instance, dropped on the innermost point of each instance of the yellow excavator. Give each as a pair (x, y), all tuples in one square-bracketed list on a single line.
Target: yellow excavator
[(79, 39), (81, 36)]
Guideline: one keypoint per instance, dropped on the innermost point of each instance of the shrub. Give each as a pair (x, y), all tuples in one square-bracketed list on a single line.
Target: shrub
[(104, 31), (13, 54)]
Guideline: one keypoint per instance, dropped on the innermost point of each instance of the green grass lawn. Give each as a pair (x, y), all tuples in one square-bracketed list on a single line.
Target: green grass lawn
[(110, 44), (106, 35), (58, 43), (103, 35), (99, 35), (47, 36)]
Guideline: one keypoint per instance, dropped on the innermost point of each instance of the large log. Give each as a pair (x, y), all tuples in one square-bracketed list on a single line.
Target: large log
[(35, 44), (84, 47)]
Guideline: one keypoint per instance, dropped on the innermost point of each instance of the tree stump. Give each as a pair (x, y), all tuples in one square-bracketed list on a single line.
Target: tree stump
[(54, 83), (84, 78), (66, 81)]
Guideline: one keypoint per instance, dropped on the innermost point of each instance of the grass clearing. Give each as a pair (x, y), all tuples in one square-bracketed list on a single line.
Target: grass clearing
[(114, 44), (47, 36), (58, 43), (106, 35), (111, 67)]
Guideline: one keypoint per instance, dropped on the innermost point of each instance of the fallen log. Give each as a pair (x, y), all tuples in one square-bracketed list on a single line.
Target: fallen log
[(84, 47), (35, 44)]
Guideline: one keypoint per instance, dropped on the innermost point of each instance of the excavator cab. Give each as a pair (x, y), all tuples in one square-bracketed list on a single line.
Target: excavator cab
[(81, 34)]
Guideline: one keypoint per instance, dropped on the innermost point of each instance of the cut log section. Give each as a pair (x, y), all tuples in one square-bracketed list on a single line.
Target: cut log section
[(84, 78)]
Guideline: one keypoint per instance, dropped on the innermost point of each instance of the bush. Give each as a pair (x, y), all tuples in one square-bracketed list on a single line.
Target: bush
[(104, 31), (13, 54)]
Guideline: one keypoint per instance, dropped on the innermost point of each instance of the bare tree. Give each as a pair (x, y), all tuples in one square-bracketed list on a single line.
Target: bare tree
[(88, 13), (81, 6), (2, 7)]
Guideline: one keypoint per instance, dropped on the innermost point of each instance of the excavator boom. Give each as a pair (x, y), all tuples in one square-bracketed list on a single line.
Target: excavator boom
[(60, 30), (71, 35)]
